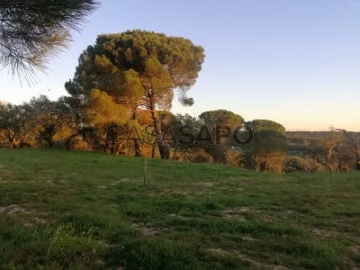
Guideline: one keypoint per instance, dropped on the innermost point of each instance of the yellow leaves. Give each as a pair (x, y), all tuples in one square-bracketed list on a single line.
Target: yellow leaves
[(63, 132), (102, 110), (104, 65), (132, 87), (158, 75), (129, 55)]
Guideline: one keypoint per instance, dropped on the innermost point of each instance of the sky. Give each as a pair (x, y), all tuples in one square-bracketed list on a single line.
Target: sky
[(296, 62)]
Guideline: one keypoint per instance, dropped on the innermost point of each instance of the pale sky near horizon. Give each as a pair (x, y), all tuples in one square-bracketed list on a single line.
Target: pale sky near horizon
[(296, 62)]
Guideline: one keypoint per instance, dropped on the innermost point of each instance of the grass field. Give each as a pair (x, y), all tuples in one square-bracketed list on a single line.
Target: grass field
[(80, 210)]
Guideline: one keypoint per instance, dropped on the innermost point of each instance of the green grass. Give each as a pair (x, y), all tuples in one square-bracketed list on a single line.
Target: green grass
[(82, 210)]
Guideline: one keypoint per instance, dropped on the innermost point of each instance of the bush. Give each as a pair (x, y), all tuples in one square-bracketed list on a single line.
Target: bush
[(300, 164)]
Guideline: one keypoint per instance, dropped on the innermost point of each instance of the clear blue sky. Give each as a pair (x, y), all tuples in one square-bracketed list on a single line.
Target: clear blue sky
[(296, 62)]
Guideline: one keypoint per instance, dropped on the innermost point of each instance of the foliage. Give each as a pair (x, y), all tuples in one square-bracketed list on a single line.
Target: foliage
[(263, 124), (34, 30), (15, 122), (302, 164), (221, 125), (139, 69), (268, 149)]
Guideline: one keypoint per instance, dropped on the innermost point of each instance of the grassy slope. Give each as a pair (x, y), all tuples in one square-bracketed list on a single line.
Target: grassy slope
[(90, 210)]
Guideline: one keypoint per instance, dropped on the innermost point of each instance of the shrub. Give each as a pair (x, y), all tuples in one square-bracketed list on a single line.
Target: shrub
[(303, 164)]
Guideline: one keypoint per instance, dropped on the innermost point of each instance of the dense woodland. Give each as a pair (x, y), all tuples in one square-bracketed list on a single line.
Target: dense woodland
[(119, 102)]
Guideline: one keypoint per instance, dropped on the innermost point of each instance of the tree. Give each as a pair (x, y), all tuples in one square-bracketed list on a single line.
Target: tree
[(102, 112), (140, 69), (43, 119), (34, 30), (16, 123), (302, 164), (264, 124), (328, 144), (355, 144), (73, 123), (221, 125), (51, 120), (268, 149)]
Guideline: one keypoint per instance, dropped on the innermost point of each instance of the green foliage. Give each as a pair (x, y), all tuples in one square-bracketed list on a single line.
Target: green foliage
[(300, 164), (129, 64), (268, 141), (221, 124), (267, 151), (221, 117), (103, 111), (32, 31), (138, 69), (16, 123), (262, 124)]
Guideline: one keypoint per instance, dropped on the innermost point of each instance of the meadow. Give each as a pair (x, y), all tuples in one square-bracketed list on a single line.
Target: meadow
[(86, 210)]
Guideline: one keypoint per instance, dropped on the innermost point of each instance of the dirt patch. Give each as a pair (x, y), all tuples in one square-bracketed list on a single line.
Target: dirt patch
[(355, 249), (2, 166), (349, 263), (218, 251), (237, 213), (31, 216), (119, 181), (204, 184), (169, 192), (254, 264), (258, 265), (101, 187), (349, 196), (325, 233), (268, 218), (242, 212), (179, 217), (14, 209), (248, 238), (150, 231)]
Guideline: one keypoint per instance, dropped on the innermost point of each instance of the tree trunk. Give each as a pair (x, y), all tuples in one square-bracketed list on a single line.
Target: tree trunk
[(329, 167), (138, 149), (12, 142), (356, 148), (68, 144), (163, 148), (50, 143), (11, 138), (266, 162), (106, 146), (68, 141), (217, 152), (137, 143), (357, 161)]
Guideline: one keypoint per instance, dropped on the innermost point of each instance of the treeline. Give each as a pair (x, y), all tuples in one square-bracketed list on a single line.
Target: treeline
[(214, 136), (333, 150), (119, 101)]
